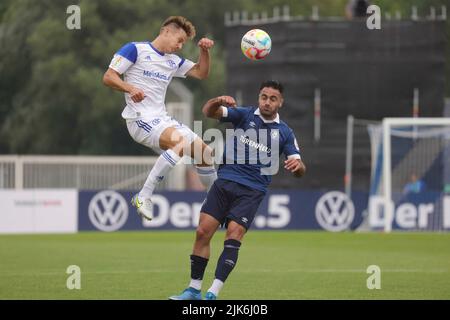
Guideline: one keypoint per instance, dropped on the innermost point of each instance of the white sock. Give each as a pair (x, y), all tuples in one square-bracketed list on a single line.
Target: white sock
[(196, 284), (166, 161), (207, 175), (216, 287)]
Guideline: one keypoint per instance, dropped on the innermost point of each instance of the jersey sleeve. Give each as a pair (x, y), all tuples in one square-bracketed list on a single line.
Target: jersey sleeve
[(124, 58), (290, 148), (233, 115), (183, 67)]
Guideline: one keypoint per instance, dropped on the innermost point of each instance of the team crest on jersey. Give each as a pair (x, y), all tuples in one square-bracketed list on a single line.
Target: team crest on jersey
[(274, 134), (156, 121), (171, 64)]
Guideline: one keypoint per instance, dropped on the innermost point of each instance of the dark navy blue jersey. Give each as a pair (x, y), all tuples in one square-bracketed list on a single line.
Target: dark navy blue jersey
[(253, 147)]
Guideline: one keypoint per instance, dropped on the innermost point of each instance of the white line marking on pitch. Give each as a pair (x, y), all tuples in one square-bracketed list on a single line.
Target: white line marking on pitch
[(53, 273)]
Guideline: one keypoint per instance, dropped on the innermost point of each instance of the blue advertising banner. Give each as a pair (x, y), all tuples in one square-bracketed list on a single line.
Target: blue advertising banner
[(280, 210), (415, 211), (111, 210)]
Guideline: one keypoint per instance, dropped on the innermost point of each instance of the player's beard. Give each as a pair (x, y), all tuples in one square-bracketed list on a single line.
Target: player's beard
[(268, 113)]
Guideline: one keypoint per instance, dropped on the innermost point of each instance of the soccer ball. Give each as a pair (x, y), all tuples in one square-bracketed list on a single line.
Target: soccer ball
[(256, 44)]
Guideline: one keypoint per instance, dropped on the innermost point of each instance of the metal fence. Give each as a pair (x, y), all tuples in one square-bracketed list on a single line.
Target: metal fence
[(83, 172)]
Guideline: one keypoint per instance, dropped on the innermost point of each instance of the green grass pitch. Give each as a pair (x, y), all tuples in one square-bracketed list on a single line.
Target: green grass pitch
[(272, 265)]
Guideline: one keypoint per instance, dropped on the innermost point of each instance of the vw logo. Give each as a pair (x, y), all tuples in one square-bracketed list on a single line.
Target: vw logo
[(108, 211), (335, 211)]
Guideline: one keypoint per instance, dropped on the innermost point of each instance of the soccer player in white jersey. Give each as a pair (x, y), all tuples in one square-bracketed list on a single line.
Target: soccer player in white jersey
[(147, 69)]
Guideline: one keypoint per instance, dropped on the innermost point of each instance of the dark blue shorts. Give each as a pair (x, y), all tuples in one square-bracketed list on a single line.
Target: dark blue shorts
[(229, 200)]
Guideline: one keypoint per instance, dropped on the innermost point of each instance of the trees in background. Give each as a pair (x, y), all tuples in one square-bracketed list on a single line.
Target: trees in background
[(52, 100)]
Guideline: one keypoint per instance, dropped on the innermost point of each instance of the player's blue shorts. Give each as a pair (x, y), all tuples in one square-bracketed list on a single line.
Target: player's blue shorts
[(229, 200)]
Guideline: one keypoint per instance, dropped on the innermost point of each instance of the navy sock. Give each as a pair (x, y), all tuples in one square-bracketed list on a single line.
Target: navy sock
[(198, 266), (227, 259)]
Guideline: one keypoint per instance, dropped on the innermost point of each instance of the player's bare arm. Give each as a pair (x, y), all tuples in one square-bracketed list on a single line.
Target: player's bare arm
[(112, 79), (201, 69), (296, 166), (213, 107)]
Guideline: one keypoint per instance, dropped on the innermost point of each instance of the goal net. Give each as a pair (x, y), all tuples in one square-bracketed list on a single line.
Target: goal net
[(410, 178)]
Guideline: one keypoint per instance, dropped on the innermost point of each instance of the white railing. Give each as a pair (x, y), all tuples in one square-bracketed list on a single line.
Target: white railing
[(83, 172), (96, 172)]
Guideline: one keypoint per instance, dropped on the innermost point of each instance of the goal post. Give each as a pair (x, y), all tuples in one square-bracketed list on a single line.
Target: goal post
[(427, 143)]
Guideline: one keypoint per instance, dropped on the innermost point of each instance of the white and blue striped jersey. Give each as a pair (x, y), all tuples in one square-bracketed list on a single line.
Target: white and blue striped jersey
[(150, 70)]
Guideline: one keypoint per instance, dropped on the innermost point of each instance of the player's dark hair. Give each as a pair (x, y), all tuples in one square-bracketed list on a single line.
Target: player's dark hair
[(181, 22), (272, 84)]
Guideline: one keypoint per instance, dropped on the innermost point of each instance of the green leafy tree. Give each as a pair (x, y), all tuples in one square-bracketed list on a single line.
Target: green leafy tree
[(52, 99)]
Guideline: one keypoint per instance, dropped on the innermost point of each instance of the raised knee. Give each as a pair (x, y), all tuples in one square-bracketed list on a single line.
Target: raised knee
[(208, 156), (208, 151), (179, 146)]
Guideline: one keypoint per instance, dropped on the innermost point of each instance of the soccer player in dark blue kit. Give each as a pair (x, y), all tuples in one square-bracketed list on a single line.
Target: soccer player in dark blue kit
[(259, 137)]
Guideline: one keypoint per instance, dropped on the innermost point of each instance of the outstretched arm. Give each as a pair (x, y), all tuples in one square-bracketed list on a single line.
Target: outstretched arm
[(112, 79), (201, 69), (213, 108)]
